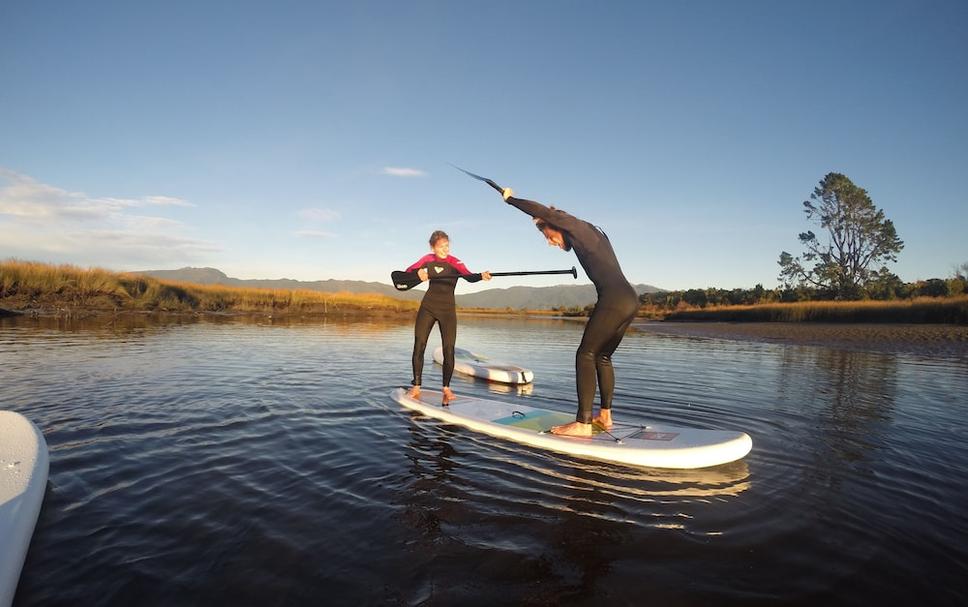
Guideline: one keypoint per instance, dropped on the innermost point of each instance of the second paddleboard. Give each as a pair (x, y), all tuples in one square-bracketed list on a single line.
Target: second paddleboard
[(476, 365)]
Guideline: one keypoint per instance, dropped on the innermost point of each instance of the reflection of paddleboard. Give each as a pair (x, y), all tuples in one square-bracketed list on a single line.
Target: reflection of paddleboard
[(23, 479), (468, 363), (652, 446)]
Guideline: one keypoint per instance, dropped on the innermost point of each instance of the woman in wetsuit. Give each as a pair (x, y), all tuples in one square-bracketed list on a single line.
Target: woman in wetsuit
[(614, 311), (438, 306)]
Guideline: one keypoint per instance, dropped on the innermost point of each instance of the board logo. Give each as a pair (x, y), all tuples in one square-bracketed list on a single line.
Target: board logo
[(438, 269)]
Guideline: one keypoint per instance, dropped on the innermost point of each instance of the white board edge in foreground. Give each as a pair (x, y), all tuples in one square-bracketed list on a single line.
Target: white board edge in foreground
[(731, 446), (23, 480)]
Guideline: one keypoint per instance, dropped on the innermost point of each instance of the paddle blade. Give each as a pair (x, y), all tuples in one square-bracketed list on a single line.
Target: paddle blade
[(479, 178), (404, 281)]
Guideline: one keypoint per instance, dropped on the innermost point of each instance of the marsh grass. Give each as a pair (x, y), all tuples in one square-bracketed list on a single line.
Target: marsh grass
[(953, 310), (29, 285), (33, 285)]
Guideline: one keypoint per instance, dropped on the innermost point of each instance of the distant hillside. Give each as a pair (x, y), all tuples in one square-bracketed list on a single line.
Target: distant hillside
[(538, 298), (211, 276), (532, 298), (202, 276)]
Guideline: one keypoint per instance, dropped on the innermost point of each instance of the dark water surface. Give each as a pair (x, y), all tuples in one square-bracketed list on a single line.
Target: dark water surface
[(242, 462)]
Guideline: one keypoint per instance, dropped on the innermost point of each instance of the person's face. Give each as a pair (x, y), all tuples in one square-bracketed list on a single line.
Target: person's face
[(554, 238), (441, 248)]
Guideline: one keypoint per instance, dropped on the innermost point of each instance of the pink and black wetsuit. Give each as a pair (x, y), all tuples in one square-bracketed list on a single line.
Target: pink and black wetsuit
[(438, 306), (614, 311)]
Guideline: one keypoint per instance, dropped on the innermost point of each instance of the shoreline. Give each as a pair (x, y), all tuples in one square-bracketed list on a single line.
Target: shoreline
[(89, 313), (927, 339)]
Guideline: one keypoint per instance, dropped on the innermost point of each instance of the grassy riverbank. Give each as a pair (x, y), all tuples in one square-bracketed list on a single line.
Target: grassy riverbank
[(64, 289), (48, 289)]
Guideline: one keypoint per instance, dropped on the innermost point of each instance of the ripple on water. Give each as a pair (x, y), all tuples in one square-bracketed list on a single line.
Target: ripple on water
[(230, 462)]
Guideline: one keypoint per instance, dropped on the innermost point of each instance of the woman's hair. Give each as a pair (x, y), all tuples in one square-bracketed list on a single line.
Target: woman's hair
[(438, 235), (541, 224)]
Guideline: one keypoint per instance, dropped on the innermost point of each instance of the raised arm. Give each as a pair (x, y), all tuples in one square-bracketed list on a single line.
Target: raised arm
[(557, 218)]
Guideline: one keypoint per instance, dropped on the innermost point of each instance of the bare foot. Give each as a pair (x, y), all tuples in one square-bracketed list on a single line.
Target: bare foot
[(573, 429), (414, 392), (447, 396), (604, 419)]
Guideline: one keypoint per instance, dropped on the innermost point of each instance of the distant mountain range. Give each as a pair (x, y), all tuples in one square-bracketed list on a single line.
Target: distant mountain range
[(531, 298)]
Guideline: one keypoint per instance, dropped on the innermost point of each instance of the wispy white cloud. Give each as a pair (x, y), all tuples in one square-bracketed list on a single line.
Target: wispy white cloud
[(314, 234), (320, 215), (42, 221), (24, 196), (403, 172), (167, 201)]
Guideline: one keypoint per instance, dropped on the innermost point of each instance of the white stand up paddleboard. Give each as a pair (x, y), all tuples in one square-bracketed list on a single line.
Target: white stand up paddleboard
[(468, 363), (651, 446), (23, 480)]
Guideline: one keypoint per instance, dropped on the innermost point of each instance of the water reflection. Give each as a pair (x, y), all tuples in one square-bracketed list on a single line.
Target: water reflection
[(136, 323), (540, 520), (849, 395), (431, 463), (304, 480), (469, 383), (550, 471)]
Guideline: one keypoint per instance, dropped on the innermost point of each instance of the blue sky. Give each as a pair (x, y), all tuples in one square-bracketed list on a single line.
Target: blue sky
[(310, 140)]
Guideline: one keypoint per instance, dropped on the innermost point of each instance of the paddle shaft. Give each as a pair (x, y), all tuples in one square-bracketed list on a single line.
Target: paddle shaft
[(404, 281), (572, 271)]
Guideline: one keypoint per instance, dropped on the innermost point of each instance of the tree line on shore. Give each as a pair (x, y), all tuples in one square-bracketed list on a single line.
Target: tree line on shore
[(847, 261), (844, 267), (758, 295)]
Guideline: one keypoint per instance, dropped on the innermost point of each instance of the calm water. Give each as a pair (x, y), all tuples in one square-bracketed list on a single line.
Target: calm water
[(263, 463)]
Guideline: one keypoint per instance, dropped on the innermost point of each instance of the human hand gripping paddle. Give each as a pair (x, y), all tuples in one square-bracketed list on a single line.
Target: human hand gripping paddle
[(404, 281)]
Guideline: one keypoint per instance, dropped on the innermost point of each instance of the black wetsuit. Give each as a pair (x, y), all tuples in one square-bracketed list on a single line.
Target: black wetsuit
[(438, 306), (616, 307)]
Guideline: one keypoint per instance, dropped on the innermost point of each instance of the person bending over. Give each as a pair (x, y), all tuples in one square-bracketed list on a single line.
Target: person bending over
[(614, 311)]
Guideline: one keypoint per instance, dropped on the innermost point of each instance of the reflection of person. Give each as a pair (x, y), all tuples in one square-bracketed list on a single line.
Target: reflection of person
[(438, 306), (614, 311)]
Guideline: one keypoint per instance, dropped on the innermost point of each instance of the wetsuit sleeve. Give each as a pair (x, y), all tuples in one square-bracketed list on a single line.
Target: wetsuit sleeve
[(464, 272), (559, 219)]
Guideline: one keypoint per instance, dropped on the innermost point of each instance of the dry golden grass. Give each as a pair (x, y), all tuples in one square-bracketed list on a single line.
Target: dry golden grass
[(34, 285), (27, 284), (922, 309), (30, 277)]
